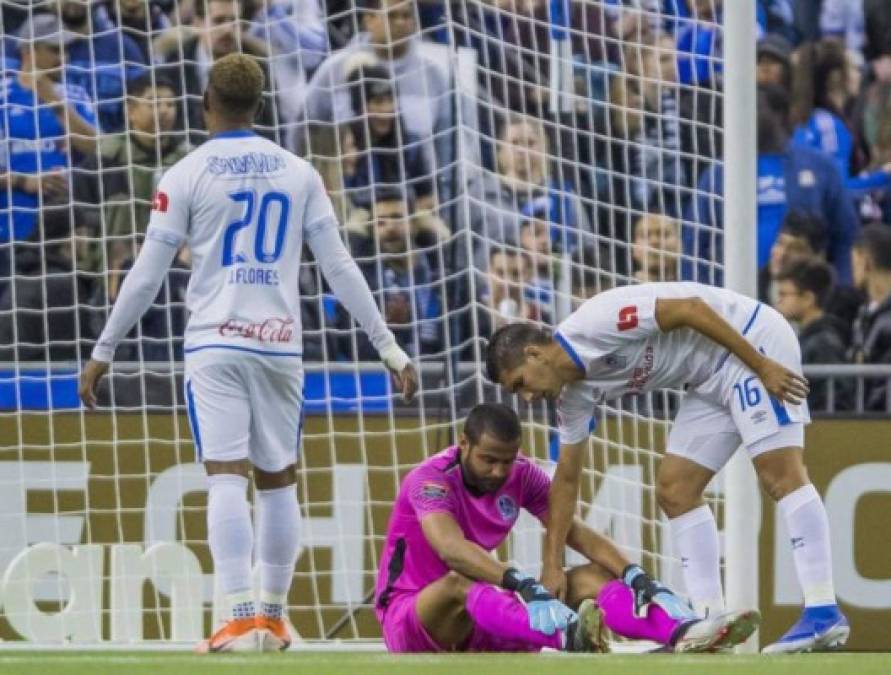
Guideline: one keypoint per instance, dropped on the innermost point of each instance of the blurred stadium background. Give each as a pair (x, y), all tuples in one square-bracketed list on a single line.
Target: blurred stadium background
[(491, 160)]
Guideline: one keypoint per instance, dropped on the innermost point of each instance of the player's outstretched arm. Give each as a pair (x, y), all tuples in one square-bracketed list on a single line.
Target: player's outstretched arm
[(780, 382), (562, 498), (140, 287), (465, 557), (546, 613), (601, 550), (596, 548), (350, 287)]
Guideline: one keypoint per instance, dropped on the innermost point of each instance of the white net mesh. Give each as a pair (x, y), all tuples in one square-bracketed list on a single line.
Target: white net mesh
[(489, 161)]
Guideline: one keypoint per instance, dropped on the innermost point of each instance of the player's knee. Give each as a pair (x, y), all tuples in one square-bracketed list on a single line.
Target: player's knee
[(675, 497), (458, 586), (273, 480), (781, 473), (780, 484), (239, 467)]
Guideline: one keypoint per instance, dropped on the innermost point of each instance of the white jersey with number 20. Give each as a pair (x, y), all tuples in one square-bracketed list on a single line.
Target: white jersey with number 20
[(244, 206)]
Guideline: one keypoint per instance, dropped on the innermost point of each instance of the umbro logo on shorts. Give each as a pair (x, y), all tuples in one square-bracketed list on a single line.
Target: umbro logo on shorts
[(759, 417)]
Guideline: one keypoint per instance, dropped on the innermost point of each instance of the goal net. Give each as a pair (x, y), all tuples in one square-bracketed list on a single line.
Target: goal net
[(490, 161)]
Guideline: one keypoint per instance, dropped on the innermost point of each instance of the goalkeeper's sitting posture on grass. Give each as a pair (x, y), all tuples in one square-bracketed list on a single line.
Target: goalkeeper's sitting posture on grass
[(439, 589)]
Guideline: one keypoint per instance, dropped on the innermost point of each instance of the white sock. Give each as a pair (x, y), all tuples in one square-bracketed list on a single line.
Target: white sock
[(695, 536), (231, 538), (278, 540), (808, 528)]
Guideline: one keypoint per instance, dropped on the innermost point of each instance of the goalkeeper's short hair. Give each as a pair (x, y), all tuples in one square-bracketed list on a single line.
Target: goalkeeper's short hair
[(495, 419), (237, 82)]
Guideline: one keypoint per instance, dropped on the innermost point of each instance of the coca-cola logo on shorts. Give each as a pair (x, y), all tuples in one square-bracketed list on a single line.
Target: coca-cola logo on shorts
[(274, 329)]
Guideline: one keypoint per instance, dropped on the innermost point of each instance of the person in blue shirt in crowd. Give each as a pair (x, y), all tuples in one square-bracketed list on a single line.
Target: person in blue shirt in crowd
[(698, 41), (403, 280), (41, 121), (388, 153), (140, 20), (101, 60), (695, 25), (789, 177), (820, 102)]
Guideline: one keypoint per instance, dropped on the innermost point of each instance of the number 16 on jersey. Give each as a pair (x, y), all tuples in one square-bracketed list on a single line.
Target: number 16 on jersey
[(749, 392)]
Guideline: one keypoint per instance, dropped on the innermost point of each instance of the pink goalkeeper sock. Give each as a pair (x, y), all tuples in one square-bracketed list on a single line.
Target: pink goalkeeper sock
[(617, 604), (504, 618)]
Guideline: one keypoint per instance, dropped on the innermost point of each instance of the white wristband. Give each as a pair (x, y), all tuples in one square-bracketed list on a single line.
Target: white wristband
[(394, 357), (102, 353)]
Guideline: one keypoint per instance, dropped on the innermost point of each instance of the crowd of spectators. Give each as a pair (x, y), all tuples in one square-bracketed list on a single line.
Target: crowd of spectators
[(472, 191)]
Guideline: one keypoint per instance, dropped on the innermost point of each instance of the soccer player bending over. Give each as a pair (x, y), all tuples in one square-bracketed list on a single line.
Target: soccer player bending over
[(440, 589), (740, 363), (245, 207)]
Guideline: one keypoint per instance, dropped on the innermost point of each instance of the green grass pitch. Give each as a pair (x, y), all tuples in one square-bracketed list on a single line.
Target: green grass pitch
[(351, 663)]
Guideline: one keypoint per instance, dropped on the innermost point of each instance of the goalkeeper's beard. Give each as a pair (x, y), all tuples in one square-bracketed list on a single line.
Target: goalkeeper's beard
[(479, 486)]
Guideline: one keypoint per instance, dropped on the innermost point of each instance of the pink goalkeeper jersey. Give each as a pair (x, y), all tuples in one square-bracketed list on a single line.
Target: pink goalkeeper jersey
[(409, 563)]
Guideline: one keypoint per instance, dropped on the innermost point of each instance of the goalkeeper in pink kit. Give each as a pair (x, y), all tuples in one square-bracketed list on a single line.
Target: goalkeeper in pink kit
[(440, 589)]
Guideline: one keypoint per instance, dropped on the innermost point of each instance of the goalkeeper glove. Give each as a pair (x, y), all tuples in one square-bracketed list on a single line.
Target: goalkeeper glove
[(546, 613), (647, 590)]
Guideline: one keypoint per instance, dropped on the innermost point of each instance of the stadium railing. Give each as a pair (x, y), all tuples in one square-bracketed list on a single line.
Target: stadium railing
[(36, 387)]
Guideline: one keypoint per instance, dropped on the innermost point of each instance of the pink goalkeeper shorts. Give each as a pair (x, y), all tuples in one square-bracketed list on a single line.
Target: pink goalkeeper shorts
[(404, 632)]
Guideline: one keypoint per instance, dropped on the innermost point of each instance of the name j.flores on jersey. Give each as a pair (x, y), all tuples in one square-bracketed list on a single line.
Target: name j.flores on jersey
[(253, 276), (274, 329)]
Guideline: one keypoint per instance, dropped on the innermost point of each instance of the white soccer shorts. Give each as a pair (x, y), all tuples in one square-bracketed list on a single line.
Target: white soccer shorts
[(732, 407), (245, 406)]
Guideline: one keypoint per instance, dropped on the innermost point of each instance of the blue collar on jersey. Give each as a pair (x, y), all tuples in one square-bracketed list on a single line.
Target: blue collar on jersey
[(563, 342), (234, 133)]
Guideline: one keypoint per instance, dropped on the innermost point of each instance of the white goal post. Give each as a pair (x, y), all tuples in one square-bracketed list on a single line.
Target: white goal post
[(742, 523)]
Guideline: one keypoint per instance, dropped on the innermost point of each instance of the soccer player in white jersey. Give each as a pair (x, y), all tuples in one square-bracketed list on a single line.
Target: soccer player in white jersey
[(245, 207), (741, 365)]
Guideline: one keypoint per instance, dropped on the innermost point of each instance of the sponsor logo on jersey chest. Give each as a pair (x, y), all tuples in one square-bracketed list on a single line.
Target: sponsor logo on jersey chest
[(642, 373), (270, 330)]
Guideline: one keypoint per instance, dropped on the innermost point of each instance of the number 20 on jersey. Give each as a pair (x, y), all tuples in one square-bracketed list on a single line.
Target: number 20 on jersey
[(258, 215)]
